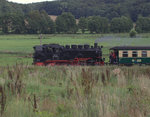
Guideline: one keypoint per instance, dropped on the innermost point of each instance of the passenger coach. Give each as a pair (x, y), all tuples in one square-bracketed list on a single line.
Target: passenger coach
[(130, 55)]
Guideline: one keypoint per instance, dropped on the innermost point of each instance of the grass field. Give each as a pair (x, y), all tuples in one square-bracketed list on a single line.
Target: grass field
[(71, 91), (24, 43)]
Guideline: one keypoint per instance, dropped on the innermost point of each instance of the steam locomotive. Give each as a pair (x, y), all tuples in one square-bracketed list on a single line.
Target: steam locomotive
[(55, 54)]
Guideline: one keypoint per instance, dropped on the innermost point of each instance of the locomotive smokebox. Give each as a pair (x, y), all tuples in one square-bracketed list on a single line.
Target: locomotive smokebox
[(95, 45)]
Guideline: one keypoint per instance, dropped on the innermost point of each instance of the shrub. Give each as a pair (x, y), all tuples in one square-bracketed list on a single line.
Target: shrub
[(133, 33)]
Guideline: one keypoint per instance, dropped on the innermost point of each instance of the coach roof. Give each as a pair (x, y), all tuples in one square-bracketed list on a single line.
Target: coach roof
[(130, 48)]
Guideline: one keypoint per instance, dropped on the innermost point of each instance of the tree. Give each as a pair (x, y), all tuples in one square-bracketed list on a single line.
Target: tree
[(83, 24), (121, 24), (33, 22), (60, 24), (143, 24), (49, 25), (12, 23), (39, 22), (66, 23), (103, 25), (93, 24), (98, 24), (18, 24), (6, 22)]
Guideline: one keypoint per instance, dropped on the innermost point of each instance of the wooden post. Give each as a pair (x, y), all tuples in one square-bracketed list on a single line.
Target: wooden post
[(41, 39)]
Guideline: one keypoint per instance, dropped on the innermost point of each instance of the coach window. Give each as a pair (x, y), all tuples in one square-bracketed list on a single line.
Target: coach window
[(144, 53), (125, 54), (134, 54)]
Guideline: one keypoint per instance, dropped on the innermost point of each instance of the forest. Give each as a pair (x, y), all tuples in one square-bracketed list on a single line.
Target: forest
[(104, 8), (84, 8)]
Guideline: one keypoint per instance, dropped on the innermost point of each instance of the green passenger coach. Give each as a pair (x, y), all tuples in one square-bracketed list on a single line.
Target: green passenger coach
[(130, 55)]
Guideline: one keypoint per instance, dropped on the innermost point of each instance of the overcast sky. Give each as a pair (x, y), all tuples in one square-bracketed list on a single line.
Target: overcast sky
[(27, 1)]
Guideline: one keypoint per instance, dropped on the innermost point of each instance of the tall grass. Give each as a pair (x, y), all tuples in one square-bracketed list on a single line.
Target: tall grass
[(74, 91)]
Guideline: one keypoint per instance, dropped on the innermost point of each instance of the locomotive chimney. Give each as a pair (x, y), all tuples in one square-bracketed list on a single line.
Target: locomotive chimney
[(95, 45)]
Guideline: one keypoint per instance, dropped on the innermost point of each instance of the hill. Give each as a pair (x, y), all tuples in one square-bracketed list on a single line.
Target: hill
[(105, 8), (84, 8)]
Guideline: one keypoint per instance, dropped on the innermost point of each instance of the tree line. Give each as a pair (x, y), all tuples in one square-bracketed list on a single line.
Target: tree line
[(37, 22), (84, 8)]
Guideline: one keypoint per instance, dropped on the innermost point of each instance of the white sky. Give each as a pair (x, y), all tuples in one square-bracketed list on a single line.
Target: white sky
[(27, 1)]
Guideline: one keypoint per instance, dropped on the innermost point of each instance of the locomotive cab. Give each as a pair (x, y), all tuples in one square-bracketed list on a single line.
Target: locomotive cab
[(114, 56), (38, 55)]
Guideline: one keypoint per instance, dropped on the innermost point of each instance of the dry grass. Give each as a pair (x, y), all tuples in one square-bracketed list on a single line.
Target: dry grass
[(54, 17), (74, 91)]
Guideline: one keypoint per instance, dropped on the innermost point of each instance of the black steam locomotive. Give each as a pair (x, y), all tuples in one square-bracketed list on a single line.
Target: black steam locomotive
[(55, 54)]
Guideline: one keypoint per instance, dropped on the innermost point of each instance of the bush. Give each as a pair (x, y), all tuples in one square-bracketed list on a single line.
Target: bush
[(133, 33)]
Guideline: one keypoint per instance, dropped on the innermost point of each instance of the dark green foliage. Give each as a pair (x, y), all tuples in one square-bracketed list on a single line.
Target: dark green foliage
[(18, 24), (83, 24), (12, 23), (119, 12), (9, 8), (133, 33), (82, 8), (98, 24), (122, 24), (104, 8), (48, 25), (33, 22), (92, 25), (4, 23), (66, 23), (60, 24), (143, 24), (39, 22)]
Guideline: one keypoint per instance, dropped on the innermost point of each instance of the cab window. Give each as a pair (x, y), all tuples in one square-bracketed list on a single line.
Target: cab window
[(134, 54), (144, 53), (125, 54)]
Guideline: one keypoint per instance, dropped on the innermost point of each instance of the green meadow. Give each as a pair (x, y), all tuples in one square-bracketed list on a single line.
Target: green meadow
[(19, 48)]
